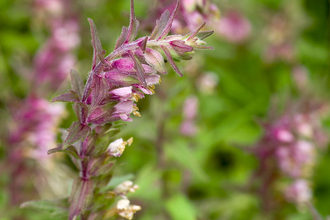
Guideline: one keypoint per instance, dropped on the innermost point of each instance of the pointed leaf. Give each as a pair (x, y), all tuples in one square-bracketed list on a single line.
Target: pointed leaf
[(160, 25), (101, 166), (170, 21), (70, 150), (156, 60), (81, 111), (204, 34), (122, 37), (139, 69), (143, 44), (133, 25), (96, 43), (77, 131), (115, 181), (171, 61), (102, 114), (77, 83), (193, 34), (67, 97), (82, 191), (57, 207), (100, 89)]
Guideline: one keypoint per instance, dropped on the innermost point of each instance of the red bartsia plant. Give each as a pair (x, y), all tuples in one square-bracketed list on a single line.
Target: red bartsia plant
[(114, 85), (287, 153)]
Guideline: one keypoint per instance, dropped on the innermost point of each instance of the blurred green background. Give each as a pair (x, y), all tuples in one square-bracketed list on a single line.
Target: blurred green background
[(198, 177)]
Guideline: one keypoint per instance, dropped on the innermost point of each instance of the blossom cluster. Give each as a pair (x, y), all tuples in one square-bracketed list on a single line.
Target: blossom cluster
[(114, 85), (37, 121), (290, 143), (34, 119), (53, 60), (232, 26)]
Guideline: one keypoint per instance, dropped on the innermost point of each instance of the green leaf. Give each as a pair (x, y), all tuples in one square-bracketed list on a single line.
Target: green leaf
[(70, 150), (82, 191), (67, 97), (189, 161), (77, 131), (133, 25), (115, 181), (57, 207), (160, 25), (179, 207), (98, 52), (77, 83)]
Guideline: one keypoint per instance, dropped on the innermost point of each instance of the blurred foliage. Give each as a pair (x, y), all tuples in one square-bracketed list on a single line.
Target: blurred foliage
[(196, 177)]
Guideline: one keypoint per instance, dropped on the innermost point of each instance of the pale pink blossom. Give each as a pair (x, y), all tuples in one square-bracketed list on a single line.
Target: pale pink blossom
[(234, 27)]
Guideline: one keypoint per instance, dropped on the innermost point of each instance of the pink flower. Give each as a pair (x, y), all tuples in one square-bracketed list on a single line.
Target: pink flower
[(234, 27), (36, 122), (299, 192), (188, 126)]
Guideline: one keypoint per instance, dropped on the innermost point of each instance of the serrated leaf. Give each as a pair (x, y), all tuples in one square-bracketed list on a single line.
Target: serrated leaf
[(168, 25), (67, 97), (77, 131), (139, 69), (100, 89), (81, 111), (133, 25), (101, 114), (70, 150), (77, 83), (98, 52), (160, 25), (171, 61), (103, 142), (122, 38), (100, 166), (82, 191)]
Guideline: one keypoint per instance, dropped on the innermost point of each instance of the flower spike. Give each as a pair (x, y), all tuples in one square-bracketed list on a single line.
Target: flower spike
[(114, 85)]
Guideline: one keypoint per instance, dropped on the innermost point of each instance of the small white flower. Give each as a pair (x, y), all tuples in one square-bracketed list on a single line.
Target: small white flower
[(125, 187), (125, 210), (123, 204), (117, 147)]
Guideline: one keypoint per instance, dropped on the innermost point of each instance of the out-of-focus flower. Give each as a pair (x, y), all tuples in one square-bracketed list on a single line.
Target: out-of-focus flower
[(288, 150), (300, 76), (280, 35), (234, 27), (188, 126), (191, 14), (299, 192), (296, 159), (125, 210), (115, 83), (207, 83), (36, 121), (279, 52), (125, 187), (55, 58)]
